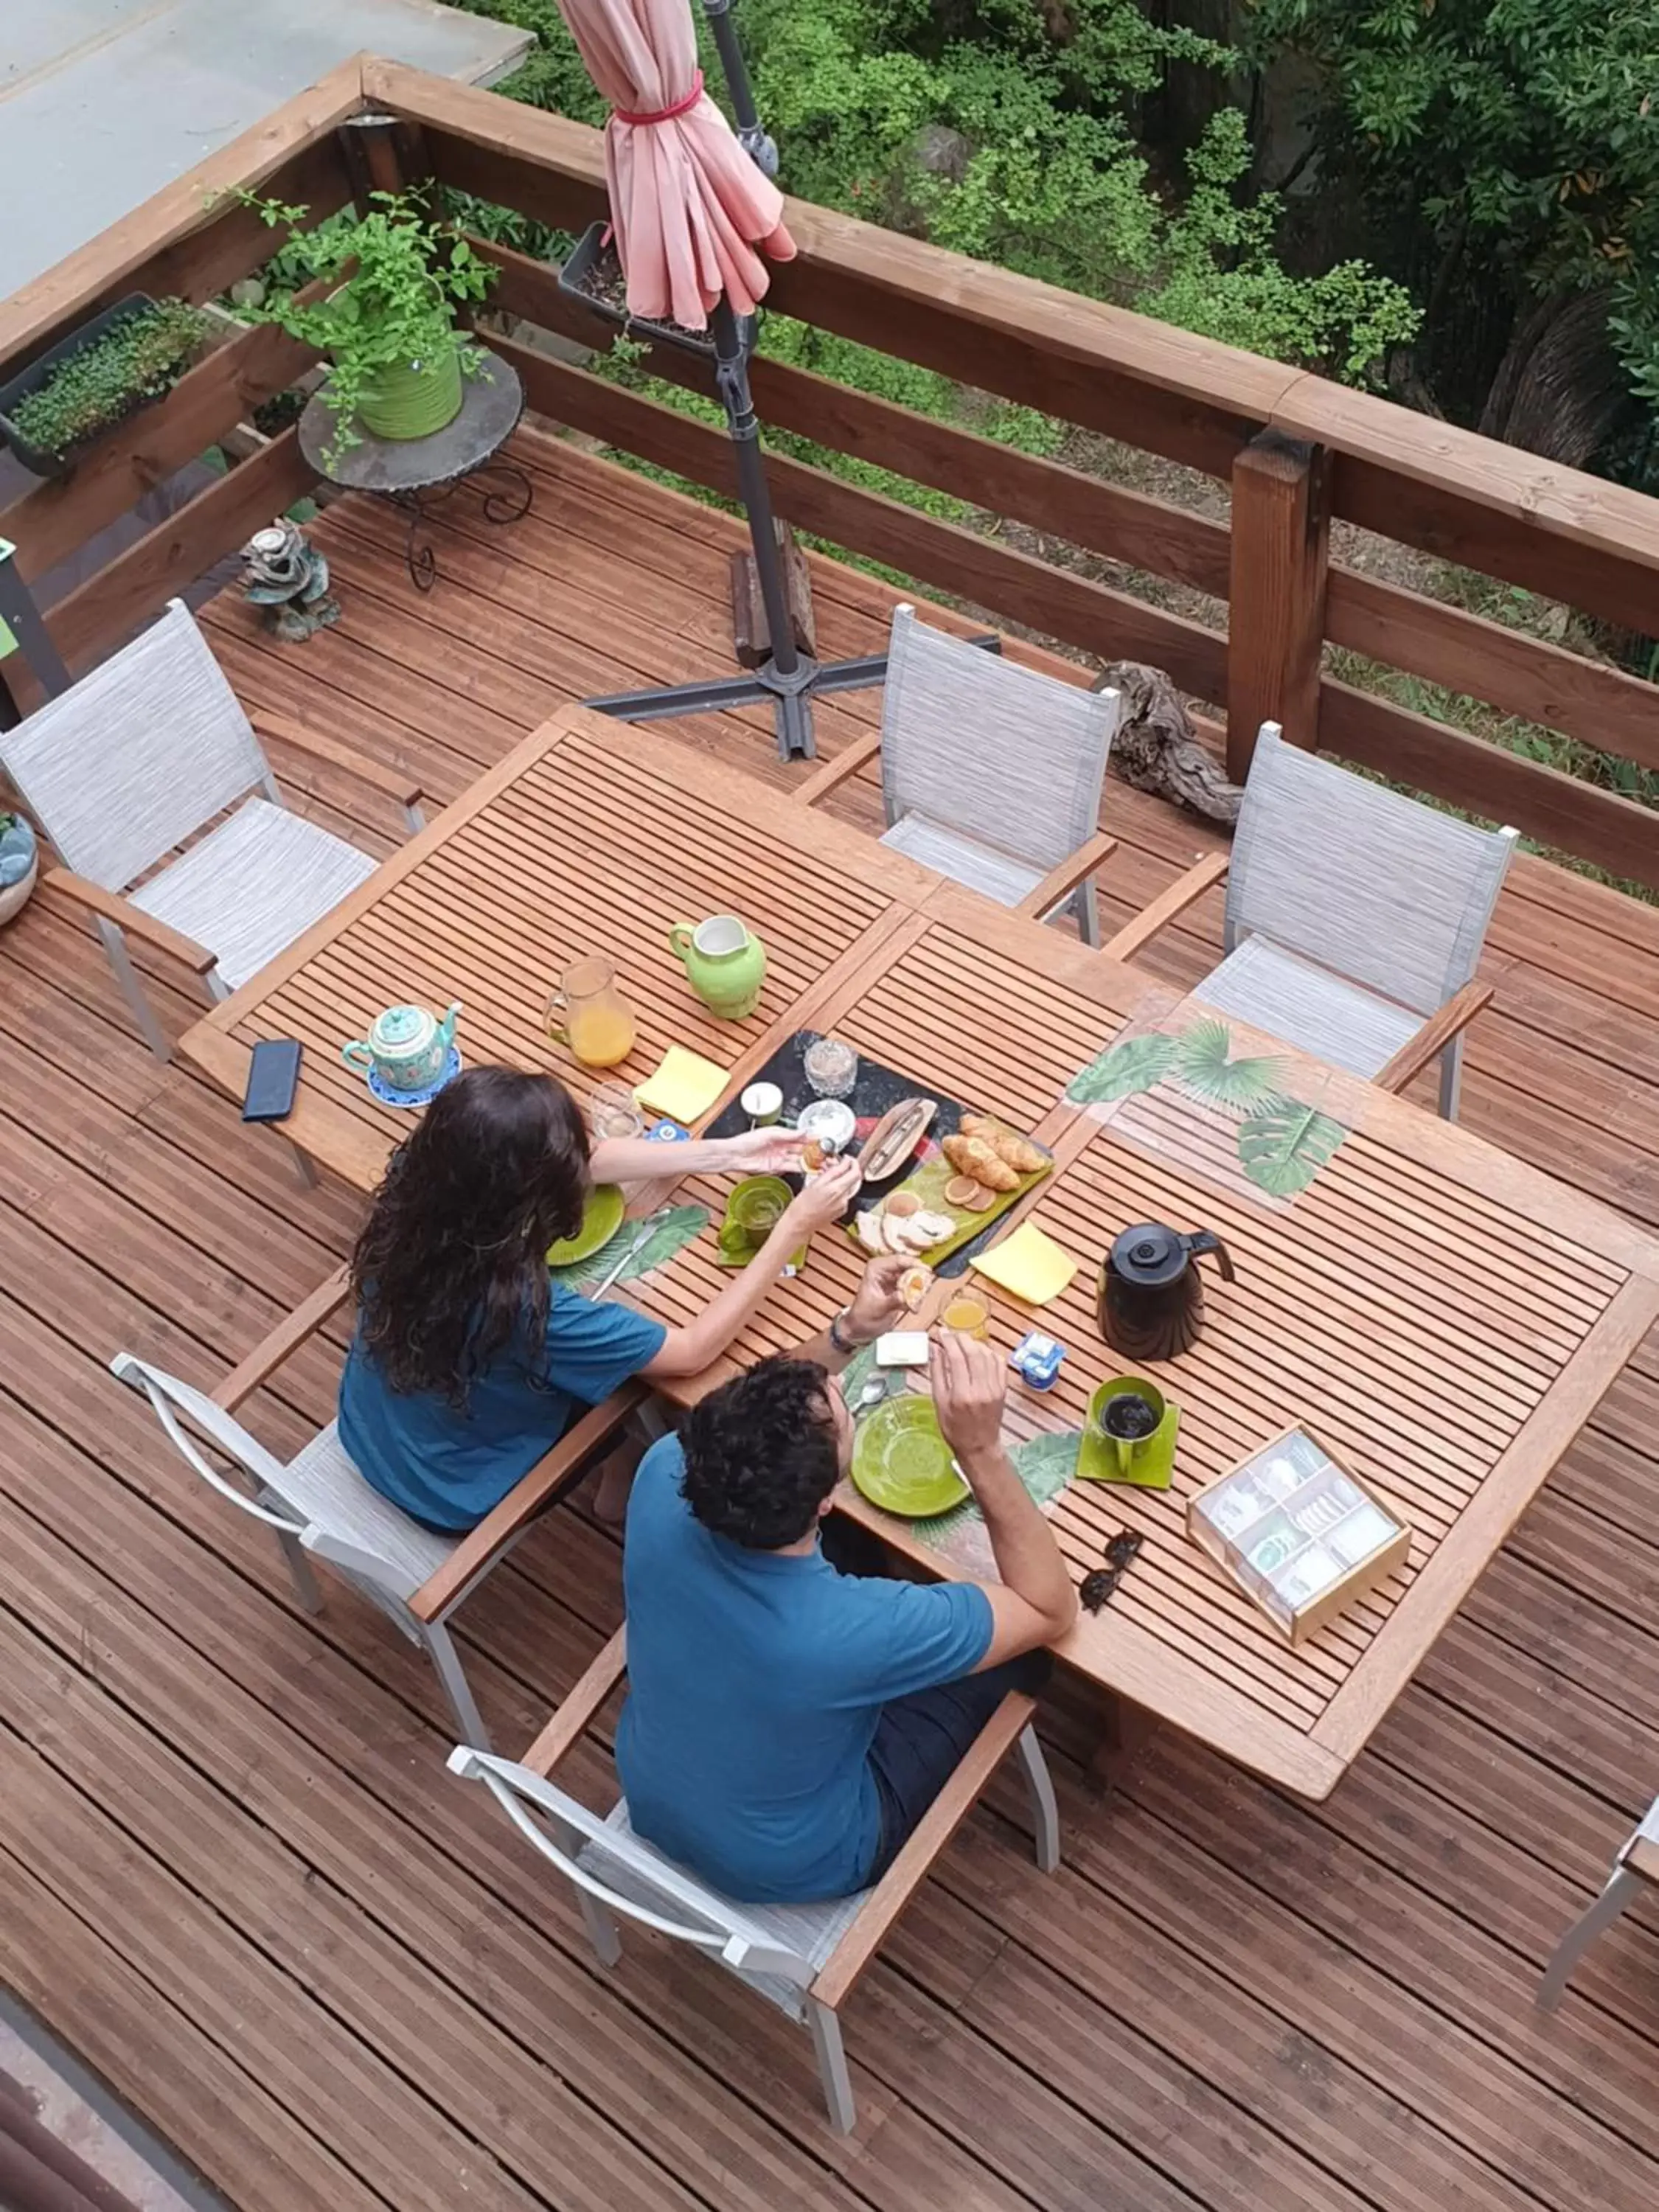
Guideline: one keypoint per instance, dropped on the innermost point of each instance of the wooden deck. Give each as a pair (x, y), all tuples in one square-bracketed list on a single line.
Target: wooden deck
[(239, 1882)]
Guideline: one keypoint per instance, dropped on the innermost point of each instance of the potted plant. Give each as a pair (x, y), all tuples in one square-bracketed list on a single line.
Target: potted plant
[(19, 863), (128, 357), (388, 326)]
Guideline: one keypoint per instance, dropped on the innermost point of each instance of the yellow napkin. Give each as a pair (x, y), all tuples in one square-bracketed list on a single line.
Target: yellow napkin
[(1028, 1265), (684, 1086)]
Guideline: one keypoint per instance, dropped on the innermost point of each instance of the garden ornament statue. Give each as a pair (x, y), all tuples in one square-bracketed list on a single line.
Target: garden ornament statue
[(288, 578)]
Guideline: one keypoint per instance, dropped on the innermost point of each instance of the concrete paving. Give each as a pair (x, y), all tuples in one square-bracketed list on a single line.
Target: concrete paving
[(102, 102)]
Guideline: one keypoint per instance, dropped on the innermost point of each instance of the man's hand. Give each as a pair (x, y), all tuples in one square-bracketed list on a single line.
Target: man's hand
[(825, 1199), (970, 1385), (762, 1151), (876, 1303)]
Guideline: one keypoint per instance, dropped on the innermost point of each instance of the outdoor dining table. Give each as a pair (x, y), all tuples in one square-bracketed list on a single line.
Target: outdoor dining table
[(1444, 1317)]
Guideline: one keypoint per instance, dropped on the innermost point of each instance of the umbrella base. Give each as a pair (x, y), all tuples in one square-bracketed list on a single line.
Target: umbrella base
[(790, 695)]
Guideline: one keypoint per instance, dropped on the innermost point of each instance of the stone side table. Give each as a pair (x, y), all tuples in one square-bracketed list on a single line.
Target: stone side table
[(417, 474)]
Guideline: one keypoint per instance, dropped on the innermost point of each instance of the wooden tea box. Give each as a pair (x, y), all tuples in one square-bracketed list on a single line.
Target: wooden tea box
[(1298, 1532)]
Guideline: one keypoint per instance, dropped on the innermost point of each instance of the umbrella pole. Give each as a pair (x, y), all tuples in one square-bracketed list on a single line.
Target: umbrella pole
[(761, 148), (787, 674)]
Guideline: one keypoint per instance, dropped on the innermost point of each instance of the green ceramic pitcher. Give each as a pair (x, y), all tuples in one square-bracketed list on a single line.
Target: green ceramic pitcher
[(725, 963)]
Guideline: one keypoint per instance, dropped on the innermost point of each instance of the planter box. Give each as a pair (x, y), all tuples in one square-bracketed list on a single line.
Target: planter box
[(593, 264), (31, 379)]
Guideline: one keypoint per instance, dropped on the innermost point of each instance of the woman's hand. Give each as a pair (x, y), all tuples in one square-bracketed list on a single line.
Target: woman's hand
[(762, 1151), (877, 1304), (824, 1201)]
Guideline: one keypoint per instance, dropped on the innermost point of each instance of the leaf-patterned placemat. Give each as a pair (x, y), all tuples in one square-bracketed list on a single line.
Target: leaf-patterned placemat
[(1045, 1464), (1199, 1089), (677, 1226)]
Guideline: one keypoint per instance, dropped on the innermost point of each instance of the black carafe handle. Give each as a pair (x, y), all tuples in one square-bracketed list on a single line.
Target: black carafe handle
[(1206, 1240)]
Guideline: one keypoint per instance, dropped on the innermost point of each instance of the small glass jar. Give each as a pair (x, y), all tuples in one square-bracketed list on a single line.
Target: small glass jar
[(831, 1068), (611, 1112)]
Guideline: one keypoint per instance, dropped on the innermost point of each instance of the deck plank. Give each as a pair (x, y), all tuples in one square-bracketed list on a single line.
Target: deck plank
[(331, 1977)]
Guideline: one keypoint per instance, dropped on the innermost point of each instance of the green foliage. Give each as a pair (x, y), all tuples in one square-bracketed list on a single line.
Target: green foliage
[(396, 275), (1002, 130), (1521, 132), (137, 358), (1221, 278)]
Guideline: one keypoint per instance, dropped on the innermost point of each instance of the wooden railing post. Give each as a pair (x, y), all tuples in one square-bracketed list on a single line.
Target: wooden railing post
[(383, 153), (1276, 620)]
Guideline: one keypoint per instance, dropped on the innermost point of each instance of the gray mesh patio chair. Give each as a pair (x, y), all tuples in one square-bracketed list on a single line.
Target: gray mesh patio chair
[(991, 773), (320, 1507), (1638, 1863), (137, 759), (804, 1958), (1355, 919)]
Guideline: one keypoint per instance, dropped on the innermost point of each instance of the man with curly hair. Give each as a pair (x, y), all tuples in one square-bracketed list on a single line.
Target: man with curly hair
[(788, 1725)]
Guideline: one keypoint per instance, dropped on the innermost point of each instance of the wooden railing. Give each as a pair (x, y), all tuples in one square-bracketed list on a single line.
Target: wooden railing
[(1296, 451)]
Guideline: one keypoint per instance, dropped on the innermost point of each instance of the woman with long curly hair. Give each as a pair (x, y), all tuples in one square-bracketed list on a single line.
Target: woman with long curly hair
[(468, 1362)]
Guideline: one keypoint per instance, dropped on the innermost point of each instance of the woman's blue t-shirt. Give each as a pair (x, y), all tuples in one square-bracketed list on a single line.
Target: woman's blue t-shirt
[(449, 1467)]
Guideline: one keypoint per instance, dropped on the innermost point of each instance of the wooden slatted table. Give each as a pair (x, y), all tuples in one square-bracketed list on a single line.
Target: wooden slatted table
[(1442, 1316), (586, 838)]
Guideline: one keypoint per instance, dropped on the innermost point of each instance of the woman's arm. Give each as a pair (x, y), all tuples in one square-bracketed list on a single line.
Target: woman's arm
[(757, 1151), (689, 1350)]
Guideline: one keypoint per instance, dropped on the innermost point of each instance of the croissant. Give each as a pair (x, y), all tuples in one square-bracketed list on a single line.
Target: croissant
[(1018, 1152), (974, 1157)]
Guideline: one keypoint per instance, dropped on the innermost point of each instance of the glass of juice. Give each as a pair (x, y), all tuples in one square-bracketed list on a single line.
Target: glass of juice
[(966, 1314), (588, 1013)]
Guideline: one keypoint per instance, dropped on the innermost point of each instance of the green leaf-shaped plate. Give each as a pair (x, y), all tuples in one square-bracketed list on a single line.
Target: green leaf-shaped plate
[(601, 1219), (901, 1463)]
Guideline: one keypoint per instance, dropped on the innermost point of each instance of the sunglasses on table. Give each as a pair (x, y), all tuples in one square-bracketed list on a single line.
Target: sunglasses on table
[(1098, 1586)]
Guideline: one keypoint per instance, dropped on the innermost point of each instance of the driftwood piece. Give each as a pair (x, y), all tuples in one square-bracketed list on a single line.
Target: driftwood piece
[(751, 640), (1157, 747)]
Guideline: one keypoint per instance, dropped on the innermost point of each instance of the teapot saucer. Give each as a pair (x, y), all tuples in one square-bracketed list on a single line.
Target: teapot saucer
[(426, 1094)]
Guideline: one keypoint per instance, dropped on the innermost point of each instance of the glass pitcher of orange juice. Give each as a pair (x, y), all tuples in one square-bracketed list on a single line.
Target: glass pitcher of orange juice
[(589, 1013)]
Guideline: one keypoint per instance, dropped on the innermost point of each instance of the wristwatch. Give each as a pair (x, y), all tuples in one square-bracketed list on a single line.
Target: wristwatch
[(842, 1343)]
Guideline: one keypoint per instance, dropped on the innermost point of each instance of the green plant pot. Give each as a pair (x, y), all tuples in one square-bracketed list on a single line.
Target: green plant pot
[(413, 401)]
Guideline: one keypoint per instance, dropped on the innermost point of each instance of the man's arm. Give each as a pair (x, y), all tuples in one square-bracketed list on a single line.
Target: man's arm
[(876, 1307), (1034, 1602)]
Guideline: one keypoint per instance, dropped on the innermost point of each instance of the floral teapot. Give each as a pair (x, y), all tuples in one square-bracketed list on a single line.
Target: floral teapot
[(406, 1048)]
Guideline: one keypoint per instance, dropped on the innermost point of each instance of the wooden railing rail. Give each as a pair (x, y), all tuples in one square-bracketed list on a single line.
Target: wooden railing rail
[(1148, 534), (1297, 451)]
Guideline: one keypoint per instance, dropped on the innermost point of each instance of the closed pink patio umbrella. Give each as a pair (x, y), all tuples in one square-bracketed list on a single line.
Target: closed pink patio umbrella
[(692, 213), (694, 210)]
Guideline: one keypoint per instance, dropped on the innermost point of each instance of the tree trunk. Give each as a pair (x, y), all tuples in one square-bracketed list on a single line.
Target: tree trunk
[(1559, 390)]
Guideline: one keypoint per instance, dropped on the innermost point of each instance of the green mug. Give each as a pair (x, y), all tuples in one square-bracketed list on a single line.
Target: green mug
[(725, 964), (1116, 1449)]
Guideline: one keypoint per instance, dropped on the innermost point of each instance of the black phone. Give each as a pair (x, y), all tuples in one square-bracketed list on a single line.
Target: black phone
[(273, 1077)]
